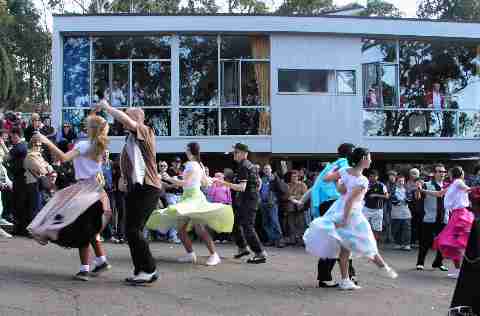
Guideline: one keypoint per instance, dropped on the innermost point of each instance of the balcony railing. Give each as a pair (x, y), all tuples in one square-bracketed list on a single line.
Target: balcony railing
[(421, 122)]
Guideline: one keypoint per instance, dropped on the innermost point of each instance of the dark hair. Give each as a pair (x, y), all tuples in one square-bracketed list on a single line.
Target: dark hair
[(17, 130), (194, 149), (476, 169), (357, 155), (456, 172), (373, 172), (345, 150)]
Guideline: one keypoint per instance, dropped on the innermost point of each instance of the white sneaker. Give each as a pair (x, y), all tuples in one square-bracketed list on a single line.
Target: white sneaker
[(407, 248), (4, 234), (4, 222), (348, 285), (213, 260), (188, 258), (420, 267), (455, 274), (388, 272), (397, 247)]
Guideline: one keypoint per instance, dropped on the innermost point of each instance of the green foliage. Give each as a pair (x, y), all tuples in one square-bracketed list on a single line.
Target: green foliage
[(381, 8), (449, 9), (305, 7), (24, 55)]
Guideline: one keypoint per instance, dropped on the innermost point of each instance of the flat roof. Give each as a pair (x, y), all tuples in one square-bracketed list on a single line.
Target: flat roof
[(266, 23)]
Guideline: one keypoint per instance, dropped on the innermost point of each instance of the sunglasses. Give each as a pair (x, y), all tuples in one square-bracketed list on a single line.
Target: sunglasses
[(441, 171)]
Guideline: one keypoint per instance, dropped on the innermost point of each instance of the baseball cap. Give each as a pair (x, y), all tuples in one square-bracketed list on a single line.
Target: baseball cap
[(241, 147)]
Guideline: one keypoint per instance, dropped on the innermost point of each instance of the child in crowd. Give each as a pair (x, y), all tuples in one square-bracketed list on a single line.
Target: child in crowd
[(401, 216), (219, 193)]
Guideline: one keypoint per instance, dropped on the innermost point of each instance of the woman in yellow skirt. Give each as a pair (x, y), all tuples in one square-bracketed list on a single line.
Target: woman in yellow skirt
[(194, 210)]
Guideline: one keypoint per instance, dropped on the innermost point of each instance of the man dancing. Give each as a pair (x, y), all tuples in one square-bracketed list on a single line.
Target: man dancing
[(245, 206), (138, 165)]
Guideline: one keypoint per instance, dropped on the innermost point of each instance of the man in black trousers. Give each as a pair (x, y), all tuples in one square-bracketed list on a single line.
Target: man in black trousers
[(245, 206)]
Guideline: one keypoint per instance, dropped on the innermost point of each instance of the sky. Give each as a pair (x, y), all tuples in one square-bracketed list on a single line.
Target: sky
[(408, 7)]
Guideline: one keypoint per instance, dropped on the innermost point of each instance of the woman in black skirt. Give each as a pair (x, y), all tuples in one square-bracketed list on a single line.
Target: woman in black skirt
[(75, 216)]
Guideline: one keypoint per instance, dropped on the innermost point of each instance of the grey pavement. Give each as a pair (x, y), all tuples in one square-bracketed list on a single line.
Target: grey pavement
[(37, 280)]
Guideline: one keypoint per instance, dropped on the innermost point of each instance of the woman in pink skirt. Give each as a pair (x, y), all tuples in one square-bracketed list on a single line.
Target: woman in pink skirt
[(452, 241)]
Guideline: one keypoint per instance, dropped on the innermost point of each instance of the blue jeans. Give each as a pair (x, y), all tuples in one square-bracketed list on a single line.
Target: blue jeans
[(401, 231), (271, 222)]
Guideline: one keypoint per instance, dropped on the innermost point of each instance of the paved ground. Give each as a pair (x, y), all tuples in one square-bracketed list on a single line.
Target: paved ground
[(36, 280)]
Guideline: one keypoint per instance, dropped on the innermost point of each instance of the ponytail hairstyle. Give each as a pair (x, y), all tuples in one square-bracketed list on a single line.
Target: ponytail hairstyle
[(98, 135), (357, 156), (194, 149)]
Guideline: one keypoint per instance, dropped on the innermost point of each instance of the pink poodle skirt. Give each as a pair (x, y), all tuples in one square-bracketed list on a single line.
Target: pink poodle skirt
[(453, 239)]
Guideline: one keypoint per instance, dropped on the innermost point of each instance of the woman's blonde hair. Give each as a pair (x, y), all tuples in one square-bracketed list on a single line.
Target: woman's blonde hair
[(98, 135)]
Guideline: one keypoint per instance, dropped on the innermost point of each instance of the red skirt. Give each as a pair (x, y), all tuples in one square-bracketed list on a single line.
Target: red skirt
[(453, 239)]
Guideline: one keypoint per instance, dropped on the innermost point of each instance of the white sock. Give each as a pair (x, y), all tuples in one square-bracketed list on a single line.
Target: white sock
[(100, 260), (84, 268)]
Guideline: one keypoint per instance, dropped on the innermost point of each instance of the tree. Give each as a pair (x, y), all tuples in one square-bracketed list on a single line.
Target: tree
[(449, 9), (305, 7), (381, 8), (247, 6)]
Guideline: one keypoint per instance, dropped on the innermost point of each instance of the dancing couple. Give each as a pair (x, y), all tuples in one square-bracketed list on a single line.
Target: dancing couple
[(344, 231)]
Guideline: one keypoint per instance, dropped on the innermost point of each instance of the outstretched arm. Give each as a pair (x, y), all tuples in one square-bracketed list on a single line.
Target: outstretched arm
[(120, 116), (63, 157)]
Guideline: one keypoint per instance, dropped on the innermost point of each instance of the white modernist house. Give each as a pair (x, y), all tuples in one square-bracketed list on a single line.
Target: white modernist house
[(281, 84)]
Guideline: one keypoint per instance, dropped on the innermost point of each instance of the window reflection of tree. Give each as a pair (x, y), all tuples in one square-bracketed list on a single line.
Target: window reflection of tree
[(76, 68), (198, 70), (159, 120), (151, 85), (453, 65), (198, 122)]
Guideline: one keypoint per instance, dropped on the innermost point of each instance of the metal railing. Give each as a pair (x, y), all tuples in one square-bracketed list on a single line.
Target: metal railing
[(421, 122)]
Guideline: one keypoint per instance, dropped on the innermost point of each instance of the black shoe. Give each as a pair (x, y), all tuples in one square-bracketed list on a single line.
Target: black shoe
[(241, 254), (101, 268), (325, 285), (354, 280), (257, 259), (81, 276)]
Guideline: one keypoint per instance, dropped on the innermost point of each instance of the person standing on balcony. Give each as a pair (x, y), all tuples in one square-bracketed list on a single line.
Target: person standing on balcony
[(138, 165), (435, 99)]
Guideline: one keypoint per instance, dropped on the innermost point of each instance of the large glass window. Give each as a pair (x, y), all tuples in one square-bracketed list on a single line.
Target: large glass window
[(435, 86), (215, 72), (76, 72), (198, 71), (380, 73), (126, 70), (151, 84)]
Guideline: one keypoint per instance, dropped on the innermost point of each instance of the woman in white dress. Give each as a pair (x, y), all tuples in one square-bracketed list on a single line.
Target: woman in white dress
[(194, 210), (344, 231), (76, 215)]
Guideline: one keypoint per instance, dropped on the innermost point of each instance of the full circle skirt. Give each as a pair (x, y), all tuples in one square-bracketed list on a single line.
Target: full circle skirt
[(453, 239), (194, 208), (74, 215), (323, 239)]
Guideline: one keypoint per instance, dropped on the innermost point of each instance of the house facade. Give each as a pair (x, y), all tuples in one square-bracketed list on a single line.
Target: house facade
[(283, 85)]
